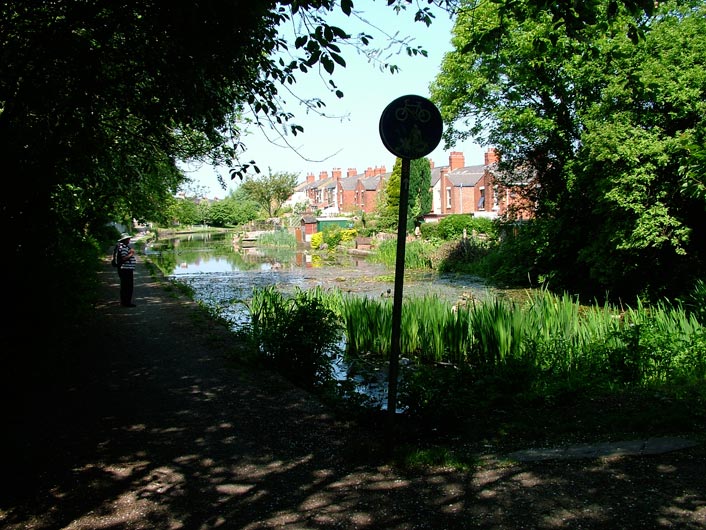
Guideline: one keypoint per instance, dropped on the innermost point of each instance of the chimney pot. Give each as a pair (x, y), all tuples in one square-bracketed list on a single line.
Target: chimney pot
[(491, 156), (456, 160)]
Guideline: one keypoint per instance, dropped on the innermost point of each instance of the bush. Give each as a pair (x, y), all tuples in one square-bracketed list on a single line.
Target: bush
[(335, 236), (452, 227), (298, 335), (429, 230), (317, 240)]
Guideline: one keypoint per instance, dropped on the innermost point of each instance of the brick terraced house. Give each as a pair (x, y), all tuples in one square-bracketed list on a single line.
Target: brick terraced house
[(456, 189)]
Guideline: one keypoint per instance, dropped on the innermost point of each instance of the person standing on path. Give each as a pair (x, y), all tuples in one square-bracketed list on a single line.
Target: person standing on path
[(126, 270)]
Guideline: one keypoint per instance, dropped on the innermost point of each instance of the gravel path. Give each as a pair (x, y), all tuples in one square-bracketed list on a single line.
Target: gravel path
[(158, 430)]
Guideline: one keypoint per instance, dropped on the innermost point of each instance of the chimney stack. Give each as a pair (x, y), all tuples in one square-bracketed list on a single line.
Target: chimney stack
[(491, 156), (456, 160)]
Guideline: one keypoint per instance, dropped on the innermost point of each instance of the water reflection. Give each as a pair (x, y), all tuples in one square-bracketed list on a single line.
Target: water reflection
[(211, 265), (224, 276)]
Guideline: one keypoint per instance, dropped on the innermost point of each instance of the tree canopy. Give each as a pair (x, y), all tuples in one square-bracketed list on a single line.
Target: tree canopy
[(270, 191), (606, 122), (420, 195), (100, 100)]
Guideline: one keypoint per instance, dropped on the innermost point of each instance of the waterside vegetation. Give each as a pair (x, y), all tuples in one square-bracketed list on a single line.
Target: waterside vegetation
[(473, 360)]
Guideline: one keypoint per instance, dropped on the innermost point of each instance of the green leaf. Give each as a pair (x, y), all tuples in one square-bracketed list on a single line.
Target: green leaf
[(327, 63), (338, 59)]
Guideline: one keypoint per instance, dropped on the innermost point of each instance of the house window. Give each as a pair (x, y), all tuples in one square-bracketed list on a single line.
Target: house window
[(448, 197), (495, 198), (481, 200)]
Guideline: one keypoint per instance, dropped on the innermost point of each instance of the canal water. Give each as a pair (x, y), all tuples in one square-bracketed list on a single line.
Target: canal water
[(222, 276), (220, 272)]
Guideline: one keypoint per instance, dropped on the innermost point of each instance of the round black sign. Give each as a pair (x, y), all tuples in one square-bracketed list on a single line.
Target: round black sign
[(411, 127)]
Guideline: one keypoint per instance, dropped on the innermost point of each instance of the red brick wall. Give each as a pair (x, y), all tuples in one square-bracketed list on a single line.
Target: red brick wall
[(456, 160), (491, 157)]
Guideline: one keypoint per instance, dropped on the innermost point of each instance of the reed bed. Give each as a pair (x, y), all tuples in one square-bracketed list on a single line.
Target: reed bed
[(548, 337), (278, 238), (418, 254), (297, 334), (553, 335)]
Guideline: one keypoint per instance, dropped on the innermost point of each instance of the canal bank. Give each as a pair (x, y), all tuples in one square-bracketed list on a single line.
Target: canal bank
[(158, 429)]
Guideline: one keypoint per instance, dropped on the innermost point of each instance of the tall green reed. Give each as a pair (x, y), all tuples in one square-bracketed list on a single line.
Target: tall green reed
[(368, 324), (418, 254), (278, 238), (549, 337), (497, 333), (298, 335), (670, 341)]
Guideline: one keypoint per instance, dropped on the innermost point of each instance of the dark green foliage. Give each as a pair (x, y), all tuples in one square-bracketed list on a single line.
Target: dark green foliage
[(419, 198), (298, 335), (388, 206), (464, 256), (420, 194), (453, 226), (518, 258), (430, 230), (439, 395), (449, 397), (695, 301), (603, 123)]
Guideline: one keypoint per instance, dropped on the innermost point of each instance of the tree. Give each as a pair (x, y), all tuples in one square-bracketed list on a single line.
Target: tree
[(388, 205), (235, 209), (271, 190), (420, 194), (100, 100), (596, 119), (420, 197)]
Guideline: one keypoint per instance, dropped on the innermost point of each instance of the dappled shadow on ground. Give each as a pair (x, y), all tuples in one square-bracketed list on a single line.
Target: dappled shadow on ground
[(157, 430)]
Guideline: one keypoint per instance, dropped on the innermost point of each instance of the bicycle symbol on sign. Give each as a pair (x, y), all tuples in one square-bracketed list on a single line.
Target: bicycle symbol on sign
[(413, 110)]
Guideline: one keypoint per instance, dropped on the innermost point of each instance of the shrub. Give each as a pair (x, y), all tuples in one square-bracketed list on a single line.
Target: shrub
[(317, 240), (429, 230), (335, 236), (452, 227), (298, 335)]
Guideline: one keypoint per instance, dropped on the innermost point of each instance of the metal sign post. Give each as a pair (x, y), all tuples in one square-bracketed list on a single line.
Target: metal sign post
[(410, 128)]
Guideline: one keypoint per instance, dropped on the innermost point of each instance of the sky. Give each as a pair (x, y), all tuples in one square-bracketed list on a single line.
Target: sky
[(349, 137)]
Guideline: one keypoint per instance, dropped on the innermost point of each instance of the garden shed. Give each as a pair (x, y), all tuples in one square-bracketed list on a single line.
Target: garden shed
[(322, 223)]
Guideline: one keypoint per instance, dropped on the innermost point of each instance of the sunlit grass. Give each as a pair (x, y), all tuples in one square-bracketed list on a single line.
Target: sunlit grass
[(418, 254), (278, 238)]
